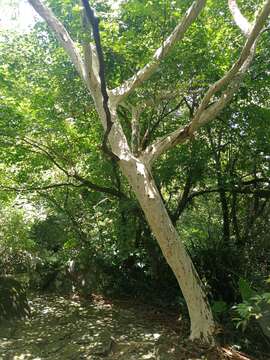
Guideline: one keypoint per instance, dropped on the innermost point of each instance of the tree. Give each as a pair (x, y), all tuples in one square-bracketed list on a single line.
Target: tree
[(136, 158)]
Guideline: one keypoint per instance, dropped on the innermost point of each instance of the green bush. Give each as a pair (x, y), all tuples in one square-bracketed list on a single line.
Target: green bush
[(255, 306)]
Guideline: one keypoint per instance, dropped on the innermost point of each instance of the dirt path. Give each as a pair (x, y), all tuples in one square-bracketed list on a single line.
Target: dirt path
[(68, 329)]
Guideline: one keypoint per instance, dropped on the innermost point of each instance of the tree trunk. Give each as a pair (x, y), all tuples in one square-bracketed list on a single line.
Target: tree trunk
[(225, 212), (140, 178), (142, 182), (216, 149)]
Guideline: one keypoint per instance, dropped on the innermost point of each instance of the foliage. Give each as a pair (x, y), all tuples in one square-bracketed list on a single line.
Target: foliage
[(17, 249), (252, 309), (13, 301), (254, 306)]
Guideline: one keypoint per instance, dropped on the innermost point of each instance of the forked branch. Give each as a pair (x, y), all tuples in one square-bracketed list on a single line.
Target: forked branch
[(230, 81), (238, 65)]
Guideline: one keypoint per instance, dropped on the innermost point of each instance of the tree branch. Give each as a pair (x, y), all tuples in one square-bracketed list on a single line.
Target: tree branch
[(136, 110), (75, 224), (38, 188), (185, 200), (44, 150), (135, 129), (74, 174), (83, 183), (239, 19), (90, 56), (93, 20), (178, 33), (205, 113), (62, 35), (99, 188), (153, 151), (97, 87), (241, 64), (148, 134)]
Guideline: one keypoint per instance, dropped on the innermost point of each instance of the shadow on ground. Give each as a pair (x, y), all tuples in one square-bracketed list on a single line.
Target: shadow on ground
[(62, 328)]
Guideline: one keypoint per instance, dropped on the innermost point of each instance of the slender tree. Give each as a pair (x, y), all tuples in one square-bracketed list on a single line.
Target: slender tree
[(136, 161)]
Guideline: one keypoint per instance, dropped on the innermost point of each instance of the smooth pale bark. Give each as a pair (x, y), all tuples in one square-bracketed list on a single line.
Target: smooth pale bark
[(243, 24), (173, 249)]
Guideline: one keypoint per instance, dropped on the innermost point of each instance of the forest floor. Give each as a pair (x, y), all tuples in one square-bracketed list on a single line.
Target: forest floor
[(64, 329)]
